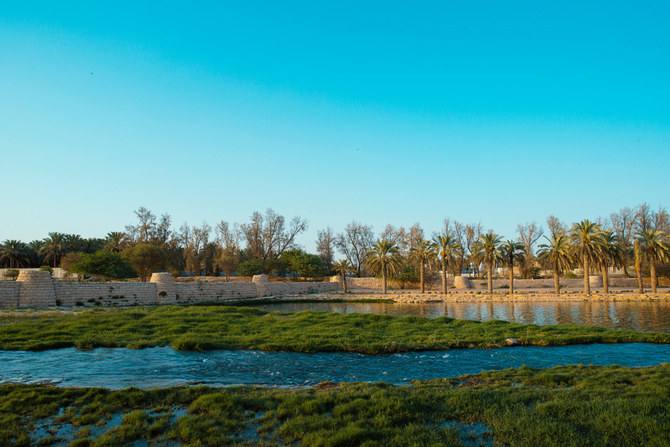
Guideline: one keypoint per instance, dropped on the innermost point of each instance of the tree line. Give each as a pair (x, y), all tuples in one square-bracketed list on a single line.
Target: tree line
[(266, 243)]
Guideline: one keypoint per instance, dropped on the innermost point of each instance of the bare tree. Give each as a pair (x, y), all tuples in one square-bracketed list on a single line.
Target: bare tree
[(556, 226), (268, 236), (643, 218), (325, 245), (145, 229), (471, 233), (623, 223), (163, 230), (528, 236), (355, 243)]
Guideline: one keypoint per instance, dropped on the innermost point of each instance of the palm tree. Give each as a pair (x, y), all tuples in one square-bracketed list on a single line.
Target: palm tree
[(423, 252), (13, 253), (487, 249), (343, 266), (55, 246), (448, 249), (74, 243), (585, 237), (638, 264), (655, 245), (384, 256), (34, 249), (557, 253), (115, 241), (610, 254), (512, 251)]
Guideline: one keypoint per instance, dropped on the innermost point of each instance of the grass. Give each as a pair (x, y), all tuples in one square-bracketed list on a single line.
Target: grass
[(573, 405), (223, 327)]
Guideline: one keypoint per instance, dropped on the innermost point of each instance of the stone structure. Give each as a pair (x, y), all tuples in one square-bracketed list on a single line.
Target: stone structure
[(595, 281), (462, 282), (36, 288), (166, 292)]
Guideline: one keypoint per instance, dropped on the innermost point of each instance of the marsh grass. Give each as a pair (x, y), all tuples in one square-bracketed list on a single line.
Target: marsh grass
[(574, 405), (199, 328)]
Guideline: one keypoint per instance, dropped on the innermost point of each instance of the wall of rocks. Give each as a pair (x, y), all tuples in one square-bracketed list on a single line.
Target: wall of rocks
[(371, 283), (36, 288)]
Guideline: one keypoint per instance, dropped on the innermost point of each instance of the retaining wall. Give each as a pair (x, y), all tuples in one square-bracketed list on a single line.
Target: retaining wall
[(37, 289), (480, 283)]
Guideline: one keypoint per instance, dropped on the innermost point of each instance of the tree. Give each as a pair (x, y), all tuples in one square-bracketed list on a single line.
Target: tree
[(54, 247), (300, 263), (512, 251), (558, 254), (268, 236), (555, 225), (448, 249), (585, 237), (384, 257), (487, 250), (343, 266), (104, 264), (424, 253), (145, 229), (325, 245), (610, 254), (355, 243), (228, 264), (115, 241), (146, 258), (252, 267), (638, 264), (13, 253), (623, 224), (529, 234), (655, 245)]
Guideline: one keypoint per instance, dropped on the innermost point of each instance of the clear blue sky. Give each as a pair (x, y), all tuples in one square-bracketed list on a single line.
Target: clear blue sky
[(388, 112)]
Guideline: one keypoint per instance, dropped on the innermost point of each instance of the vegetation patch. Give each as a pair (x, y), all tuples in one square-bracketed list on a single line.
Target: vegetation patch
[(573, 405), (226, 327)]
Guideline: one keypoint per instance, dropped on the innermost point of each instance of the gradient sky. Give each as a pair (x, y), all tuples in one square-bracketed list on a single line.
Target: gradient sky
[(388, 112)]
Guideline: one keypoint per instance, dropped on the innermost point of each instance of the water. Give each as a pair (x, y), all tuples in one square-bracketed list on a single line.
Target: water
[(161, 367), (653, 316)]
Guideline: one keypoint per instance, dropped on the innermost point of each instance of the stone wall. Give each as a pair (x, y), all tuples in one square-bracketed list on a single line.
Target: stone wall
[(371, 283), (35, 288), (72, 294)]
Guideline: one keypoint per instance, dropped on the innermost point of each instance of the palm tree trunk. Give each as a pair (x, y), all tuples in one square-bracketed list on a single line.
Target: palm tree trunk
[(652, 267), (606, 280), (489, 268), (587, 286), (557, 284), (421, 269), (444, 275), (344, 281), (638, 266), (511, 278), (384, 279)]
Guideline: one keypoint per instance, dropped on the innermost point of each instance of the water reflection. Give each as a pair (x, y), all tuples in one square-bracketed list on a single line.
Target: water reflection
[(640, 316)]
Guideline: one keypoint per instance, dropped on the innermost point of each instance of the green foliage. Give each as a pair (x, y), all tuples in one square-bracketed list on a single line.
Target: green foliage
[(406, 276), (228, 327), (11, 274), (146, 259), (525, 407), (301, 263), (252, 267), (46, 268), (104, 264)]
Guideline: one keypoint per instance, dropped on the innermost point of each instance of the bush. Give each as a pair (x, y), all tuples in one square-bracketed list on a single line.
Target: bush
[(11, 274), (104, 264), (46, 268)]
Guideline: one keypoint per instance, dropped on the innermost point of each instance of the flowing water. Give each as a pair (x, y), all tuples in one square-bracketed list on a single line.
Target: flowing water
[(653, 316), (161, 367)]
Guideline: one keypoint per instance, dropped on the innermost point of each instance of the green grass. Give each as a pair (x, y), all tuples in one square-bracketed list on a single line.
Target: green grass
[(196, 328), (574, 405)]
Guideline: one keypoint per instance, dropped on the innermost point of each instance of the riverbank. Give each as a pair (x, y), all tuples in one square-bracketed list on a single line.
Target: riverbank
[(411, 296), (194, 328), (573, 405)]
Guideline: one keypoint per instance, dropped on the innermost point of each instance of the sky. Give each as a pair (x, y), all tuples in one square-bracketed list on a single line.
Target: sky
[(380, 112)]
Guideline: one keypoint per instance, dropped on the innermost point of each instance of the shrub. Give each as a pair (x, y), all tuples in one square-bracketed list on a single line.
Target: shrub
[(11, 274), (46, 268)]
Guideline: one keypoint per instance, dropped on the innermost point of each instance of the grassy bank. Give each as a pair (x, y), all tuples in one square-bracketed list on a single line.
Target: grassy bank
[(221, 327), (575, 405)]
